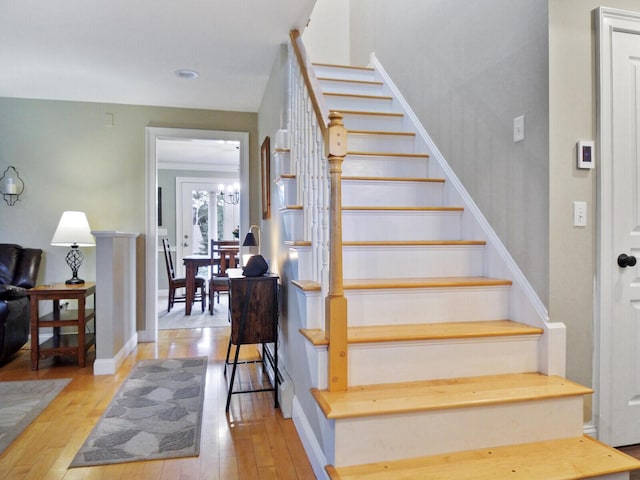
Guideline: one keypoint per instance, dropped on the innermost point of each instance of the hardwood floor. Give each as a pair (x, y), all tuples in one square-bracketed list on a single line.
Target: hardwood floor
[(252, 442), (634, 451)]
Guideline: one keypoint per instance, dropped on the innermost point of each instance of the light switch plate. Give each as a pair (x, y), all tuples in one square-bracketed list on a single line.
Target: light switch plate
[(579, 214)]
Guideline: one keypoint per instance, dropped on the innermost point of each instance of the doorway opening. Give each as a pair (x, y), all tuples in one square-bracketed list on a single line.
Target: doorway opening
[(158, 142)]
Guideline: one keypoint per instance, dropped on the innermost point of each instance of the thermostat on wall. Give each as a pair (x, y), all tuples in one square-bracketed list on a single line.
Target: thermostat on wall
[(586, 154)]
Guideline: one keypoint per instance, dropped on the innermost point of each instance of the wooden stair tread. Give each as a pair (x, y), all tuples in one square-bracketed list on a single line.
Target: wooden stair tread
[(359, 95), (395, 179), (426, 331), (412, 243), (297, 243), (348, 67), (560, 459), (388, 154), (406, 207), (381, 132), (307, 285), (348, 80), (423, 282), (370, 113), (429, 395)]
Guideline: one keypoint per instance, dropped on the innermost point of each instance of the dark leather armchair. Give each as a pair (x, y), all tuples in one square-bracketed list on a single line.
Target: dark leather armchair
[(18, 272)]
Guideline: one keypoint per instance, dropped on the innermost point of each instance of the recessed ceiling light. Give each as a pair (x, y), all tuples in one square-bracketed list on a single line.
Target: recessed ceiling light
[(188, 74)]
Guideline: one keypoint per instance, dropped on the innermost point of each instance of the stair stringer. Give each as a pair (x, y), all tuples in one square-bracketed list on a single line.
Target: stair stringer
[(525, 305)]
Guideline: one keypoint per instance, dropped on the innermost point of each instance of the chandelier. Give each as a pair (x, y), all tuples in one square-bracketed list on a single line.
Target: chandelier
[(230, 194)]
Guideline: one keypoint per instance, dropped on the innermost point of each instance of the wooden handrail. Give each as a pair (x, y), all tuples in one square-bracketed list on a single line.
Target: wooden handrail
[(335, 147), (314, 94)]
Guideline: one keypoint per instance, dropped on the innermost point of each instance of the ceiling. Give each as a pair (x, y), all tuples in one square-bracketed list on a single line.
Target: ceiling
[(127, 51), (198, 154)]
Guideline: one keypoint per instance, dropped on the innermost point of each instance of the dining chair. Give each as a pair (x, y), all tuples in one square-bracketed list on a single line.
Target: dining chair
[(175, 283), (224, 254)]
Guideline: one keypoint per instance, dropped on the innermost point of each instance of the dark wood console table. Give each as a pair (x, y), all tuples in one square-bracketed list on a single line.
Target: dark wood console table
[(70, 344), (253, 311)]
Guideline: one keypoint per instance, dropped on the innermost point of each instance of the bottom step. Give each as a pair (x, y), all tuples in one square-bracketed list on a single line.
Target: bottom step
[(569, 458)]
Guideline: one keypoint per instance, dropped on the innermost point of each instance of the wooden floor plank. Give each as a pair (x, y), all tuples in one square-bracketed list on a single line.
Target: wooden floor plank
[(58, 433)]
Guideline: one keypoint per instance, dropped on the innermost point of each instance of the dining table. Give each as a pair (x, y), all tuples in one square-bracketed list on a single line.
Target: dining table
[(192, 263)]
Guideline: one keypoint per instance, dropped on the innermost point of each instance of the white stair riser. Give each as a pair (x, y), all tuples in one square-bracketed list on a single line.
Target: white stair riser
[(293, 221), (283, 163), (360, 104), (400, 225), (325, 71), (378, 363), (404, 262), (373, 122), (393, 437), (361, 165), (287, 191), (391, 193), (415, 361), (361, 142), (311, 311), (426, 305), (351, 87), (299, 260)]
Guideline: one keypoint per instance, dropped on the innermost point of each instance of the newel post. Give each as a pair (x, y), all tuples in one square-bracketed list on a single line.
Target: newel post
[(336, 303)]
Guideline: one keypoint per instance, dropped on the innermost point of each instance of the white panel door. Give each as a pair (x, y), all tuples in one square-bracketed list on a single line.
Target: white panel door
[(195, 221), (623, 427)]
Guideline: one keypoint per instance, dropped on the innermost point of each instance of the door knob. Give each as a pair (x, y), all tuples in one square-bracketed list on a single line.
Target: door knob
[(625, 260), (185, 244)]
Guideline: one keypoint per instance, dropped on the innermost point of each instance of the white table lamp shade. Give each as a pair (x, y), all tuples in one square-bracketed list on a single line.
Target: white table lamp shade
[(73, 229)]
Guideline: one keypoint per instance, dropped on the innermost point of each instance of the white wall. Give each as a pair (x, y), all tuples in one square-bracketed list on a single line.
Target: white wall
[(326, 37)]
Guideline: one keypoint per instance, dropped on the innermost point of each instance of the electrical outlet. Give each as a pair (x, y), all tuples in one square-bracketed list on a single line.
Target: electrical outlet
[(518, 129)]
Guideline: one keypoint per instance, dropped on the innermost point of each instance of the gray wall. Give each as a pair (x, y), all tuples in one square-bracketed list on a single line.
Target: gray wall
[(468, 68), (70, 161), (572, 117)]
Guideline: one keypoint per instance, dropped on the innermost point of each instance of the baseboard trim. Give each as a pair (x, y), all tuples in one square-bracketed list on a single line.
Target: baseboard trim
[(309, 441), (590, 429), (109, 366)]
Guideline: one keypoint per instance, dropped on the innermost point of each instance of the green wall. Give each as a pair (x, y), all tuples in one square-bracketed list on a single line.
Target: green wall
[(70, 160)]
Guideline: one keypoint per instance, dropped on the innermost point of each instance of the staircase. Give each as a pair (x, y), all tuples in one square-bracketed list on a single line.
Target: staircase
[(444, 382)]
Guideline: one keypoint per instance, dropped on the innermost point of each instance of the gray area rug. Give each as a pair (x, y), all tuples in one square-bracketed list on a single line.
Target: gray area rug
[(176, 319), (156, 414), (21, 402)]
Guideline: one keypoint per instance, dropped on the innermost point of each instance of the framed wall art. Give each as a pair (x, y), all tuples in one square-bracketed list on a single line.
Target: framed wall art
[(265, 162)]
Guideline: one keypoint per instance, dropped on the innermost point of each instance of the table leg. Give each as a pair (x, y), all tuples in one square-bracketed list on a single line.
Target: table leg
[(35, 354), (191, 270), (82, 359)]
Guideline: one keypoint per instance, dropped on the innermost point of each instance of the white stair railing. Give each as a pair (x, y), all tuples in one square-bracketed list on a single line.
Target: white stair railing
[(306, 136)]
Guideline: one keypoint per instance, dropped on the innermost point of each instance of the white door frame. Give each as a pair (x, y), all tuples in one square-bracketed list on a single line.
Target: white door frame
[(152, 135), (608, 21)]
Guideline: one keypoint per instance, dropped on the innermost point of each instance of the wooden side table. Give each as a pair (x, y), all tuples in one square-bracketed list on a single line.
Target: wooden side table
[(253, 310), (68, 344)]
